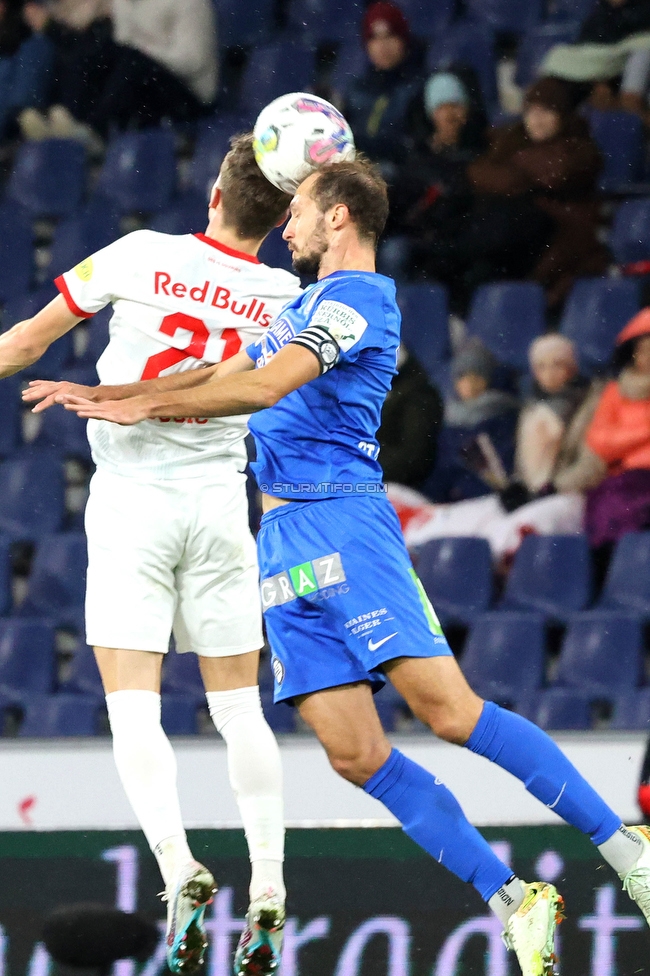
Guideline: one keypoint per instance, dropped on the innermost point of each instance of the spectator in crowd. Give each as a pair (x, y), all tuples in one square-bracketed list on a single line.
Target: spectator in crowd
[(26, 58), (410, 421), (612, 53), (478, 430), (539, 209), (378, 103)]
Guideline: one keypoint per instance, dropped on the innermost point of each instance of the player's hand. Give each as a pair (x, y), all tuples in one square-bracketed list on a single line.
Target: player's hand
[(123, 412), (48, 390)]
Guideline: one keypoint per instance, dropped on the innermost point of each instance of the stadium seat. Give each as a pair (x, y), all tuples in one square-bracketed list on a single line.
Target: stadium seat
[(471, 45), (27, 656), (57, 581), (601, 653), (536, 44), (49, 177), (632, 710), (550, 574), (576, 10), (620, 139), (10, 411), (281, 717), (139, 171), (212, 144), (60, 353), (16, 252), (5, 576), (505, 16), (32, 493), (178, 714), (630, 235), (274, 251), (97, 335), (48, 716), (181, 675), (503, 655), (627, 584), (561, 708), (275, 69), (242, 24), (457, 576), (319, 21), (351, 62), (594, 313), (63, 431), (507, 317), (81, 234), (83, 674), (187, 214), (425, 325), (427, 19)]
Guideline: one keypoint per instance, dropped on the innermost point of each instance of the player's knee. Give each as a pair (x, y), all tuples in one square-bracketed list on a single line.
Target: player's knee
[(357, 766), (450, 723)]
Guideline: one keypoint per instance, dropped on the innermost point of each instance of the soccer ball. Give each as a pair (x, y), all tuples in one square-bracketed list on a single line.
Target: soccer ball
[(296, 134)]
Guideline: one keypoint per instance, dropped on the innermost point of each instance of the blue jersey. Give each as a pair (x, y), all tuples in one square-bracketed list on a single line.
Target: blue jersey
[(320, 440)]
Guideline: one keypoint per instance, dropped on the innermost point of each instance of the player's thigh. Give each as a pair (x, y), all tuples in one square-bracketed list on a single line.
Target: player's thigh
[(230, 673), (135, 539), (346, 722), (127, 670), (437, 693), (217, 579)]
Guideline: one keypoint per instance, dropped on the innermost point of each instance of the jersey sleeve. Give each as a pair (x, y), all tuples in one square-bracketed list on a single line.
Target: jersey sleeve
[(95, 282)]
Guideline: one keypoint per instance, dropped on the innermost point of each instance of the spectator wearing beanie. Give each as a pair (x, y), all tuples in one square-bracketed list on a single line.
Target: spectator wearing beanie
[(538, 179), (377, 103)]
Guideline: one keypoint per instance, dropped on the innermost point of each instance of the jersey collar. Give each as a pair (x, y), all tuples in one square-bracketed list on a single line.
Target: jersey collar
[(228, 250)]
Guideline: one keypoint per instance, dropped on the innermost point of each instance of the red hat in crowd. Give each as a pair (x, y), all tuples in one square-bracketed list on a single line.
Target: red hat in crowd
[(638, 326), (389, 14)]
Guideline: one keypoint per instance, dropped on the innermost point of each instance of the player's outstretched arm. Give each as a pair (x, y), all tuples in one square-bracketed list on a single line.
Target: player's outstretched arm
[(27, 341), (244, 392)]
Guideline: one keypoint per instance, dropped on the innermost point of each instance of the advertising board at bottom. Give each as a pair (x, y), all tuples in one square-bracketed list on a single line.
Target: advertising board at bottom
[(362, 902)]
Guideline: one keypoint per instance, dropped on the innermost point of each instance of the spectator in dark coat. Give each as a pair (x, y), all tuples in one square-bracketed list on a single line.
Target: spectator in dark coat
[(26, 59)]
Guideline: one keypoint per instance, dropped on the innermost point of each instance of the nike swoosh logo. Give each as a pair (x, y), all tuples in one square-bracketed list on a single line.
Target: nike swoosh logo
[(374, 647)]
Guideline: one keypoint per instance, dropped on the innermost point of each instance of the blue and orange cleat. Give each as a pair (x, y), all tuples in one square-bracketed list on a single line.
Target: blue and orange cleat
[(192, 892), (260, 947)]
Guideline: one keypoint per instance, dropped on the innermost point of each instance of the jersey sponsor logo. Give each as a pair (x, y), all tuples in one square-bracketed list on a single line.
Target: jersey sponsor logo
[(84, 269), (213, 296), (372, 646), (366, 621), (303, 580), (277, 667), (343, 323)]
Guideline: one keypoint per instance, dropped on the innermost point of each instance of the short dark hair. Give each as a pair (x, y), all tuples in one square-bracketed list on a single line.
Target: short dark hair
[(361, 187), (251, 205)]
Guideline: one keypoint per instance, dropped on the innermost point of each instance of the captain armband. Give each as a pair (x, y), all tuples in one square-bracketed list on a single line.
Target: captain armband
[(320, 342)]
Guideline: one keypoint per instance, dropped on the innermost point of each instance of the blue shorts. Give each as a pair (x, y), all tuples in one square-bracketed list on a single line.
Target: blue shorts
[(339, 594)]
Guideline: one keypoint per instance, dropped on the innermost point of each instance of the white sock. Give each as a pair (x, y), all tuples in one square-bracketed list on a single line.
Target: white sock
[(147, 768), (507, 899), (256, 779), (622, 850)]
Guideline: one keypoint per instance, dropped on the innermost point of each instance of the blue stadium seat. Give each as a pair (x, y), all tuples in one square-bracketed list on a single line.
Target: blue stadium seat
[(470, 45), (187, 214), (240, 24), (561, 708), (627, 584), (60, 353), (317, 21), (425, 325), (511, 16), (81, 234), (457, 576), (576, 10), (83, 675), (139, 171), (427, 19), (5, 576), (10, 411), (536, 44), (274, 251), (550, 574), (632, 710), (212, 144), (32, 493), (63, 431), (507, 317), (57, 581), (620, 139), (178, 714), (351, 62), (97, 334), (181, 675), (281, 717), (503, 655), (601, 653), (275, 69), (49, 177), (49, 716), (594, 313), (27, 656), (16, 251), (629, 239)]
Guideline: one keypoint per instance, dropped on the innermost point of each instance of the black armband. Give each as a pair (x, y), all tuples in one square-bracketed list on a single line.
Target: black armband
[(322, 344)]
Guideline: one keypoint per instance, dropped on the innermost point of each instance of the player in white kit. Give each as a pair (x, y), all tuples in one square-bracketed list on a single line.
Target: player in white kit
[(167, 524)]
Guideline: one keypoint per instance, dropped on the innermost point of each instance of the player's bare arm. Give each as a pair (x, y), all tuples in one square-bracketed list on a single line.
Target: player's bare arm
[(50, 392), (245, 392), (25, 343)]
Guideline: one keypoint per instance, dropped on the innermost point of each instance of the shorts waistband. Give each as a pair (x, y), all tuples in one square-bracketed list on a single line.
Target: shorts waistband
[(283, 511)]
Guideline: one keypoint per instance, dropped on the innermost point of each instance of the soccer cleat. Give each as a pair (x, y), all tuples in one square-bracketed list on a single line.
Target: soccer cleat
[(637, 880), (530, 930), (258, 951), (192, 891)]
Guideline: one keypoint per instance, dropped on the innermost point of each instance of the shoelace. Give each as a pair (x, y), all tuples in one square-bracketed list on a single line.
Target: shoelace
[(639, 876)]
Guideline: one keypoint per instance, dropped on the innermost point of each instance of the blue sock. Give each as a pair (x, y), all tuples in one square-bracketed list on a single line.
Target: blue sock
[(527, 752), (432, 817)]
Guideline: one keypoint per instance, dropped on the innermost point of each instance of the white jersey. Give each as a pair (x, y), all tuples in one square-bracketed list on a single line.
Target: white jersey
[(179, 303)]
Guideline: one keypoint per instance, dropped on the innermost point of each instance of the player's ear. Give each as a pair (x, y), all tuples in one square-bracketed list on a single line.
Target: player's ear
[(215, 196), (283, 219), (338, 215)]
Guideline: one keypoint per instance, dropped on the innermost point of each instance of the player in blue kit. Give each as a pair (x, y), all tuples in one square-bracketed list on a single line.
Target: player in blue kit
[(344, 609)]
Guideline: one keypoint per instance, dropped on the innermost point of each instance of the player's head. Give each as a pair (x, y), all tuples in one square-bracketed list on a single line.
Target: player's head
[(250, 205), (340, 200)]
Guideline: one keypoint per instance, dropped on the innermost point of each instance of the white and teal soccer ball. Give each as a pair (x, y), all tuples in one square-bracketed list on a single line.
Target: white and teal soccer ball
[(296, 134)]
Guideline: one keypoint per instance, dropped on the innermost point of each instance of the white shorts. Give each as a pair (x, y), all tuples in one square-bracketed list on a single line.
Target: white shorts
[(171, 556)]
